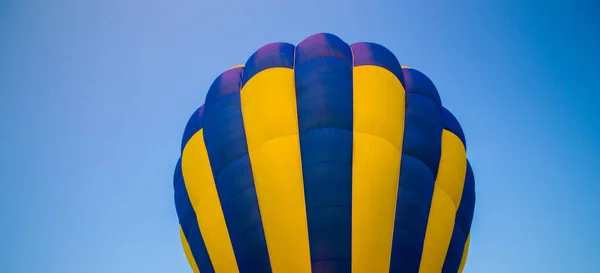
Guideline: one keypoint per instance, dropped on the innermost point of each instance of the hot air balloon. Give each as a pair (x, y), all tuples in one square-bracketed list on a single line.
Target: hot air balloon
[(324, 157)]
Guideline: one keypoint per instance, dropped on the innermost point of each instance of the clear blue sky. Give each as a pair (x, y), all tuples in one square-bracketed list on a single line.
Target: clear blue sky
[(94, 97)]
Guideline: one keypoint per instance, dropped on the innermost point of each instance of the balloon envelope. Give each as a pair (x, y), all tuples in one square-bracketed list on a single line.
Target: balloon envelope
[(324, 157)]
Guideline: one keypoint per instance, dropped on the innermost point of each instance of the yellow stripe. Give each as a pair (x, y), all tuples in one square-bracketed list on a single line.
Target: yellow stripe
[(188, 252), (237, 66), (271, 124), (463, 261), (203, 195), (378, 132), (446, 198)]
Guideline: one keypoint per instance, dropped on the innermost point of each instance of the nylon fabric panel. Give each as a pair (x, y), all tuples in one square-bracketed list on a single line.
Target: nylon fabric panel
[(269, 56), (455, 250), (188, 252), (446, 199), (379, 103), (462, 225), (323, 76), (421, 152), (193, 126), (228, 153), (271, 124), (417, 82), (463, 261), (451, 124), (201, 188), (189, 225), (412, 211), (372, 54)]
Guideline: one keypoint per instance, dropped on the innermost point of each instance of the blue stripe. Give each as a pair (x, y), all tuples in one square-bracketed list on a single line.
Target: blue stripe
[(229, 82), (189, 223), (226, 145), (375, 54), (462, 226), (421, 153), (193, 125), (417, 82), (269, 56), (451, 124), (467, 204), (323, 75)]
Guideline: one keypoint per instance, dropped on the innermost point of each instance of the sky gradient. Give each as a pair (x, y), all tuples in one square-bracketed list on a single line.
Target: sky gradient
[(94, 97)]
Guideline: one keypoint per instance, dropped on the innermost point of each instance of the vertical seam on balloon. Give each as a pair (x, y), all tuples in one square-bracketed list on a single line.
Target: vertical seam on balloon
[(438, 188), (235, 248), (352, 162), (466, 231)]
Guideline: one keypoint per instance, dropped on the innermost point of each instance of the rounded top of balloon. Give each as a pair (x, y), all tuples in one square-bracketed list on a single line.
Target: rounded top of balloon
[(324, 157)]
